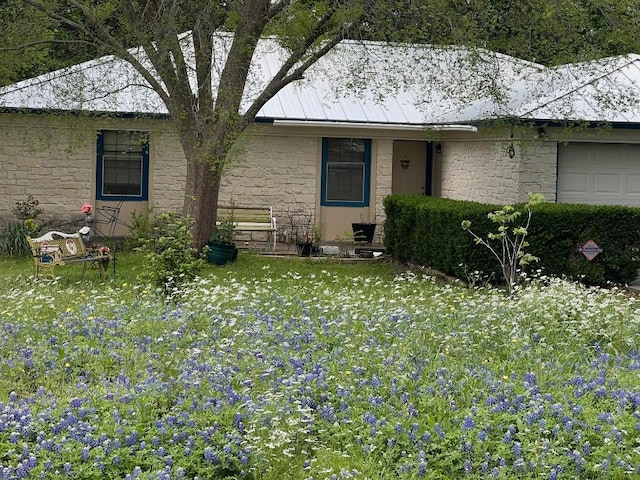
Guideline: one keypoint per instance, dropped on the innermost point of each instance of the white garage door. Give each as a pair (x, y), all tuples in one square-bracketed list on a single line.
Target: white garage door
[(599, 174)]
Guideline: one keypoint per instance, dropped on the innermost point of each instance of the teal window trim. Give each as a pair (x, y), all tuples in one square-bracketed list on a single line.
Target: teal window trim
[(143, 194), (366, 187)]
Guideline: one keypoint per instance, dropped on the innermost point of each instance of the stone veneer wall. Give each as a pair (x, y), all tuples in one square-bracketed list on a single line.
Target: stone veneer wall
[(274, 170), (168, 167), (482, 171), (54, 159), (538, 169), (383, 179), (49, 163)]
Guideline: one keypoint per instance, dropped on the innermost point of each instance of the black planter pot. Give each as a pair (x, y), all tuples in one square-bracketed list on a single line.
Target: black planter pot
[(363, 232), (221, 253), (304, 248)]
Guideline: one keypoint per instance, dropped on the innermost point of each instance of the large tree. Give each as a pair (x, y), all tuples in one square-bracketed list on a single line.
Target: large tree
[(208, 114)]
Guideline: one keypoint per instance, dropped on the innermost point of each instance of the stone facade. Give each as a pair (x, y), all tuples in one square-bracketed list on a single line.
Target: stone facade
[(383, 179), (273, 170), (538, 169), (48, 159), (54, 159), (482, 171), (168, 171)]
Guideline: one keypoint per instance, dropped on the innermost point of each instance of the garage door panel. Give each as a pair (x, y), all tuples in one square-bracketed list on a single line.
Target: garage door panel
[(575, 183), (599, 174), (633, 184), (607, 184)]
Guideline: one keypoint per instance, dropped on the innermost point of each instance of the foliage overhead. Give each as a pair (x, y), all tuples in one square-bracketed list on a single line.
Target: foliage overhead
[(544, 31)]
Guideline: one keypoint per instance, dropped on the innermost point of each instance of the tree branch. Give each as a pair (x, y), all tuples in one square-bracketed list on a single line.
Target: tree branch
[(286, 75), (103, 38), (45, 42)]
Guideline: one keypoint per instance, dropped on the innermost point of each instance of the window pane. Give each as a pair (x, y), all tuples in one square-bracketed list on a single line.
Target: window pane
[(350, 150), (345, 170), (345, 182), (122, 163), (122, 175)]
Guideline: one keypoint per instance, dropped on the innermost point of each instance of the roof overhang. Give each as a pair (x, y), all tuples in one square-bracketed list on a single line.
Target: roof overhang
[(375, 126)]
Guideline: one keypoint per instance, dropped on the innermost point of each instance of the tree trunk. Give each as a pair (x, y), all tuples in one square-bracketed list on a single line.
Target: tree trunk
[(201, 200)]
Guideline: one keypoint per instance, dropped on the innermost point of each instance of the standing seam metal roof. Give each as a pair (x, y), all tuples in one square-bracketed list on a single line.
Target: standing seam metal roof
[(366, 83)]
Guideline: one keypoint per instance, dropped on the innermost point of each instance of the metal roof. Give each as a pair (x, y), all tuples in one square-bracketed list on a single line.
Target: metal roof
[(367, 83), (606, 90)]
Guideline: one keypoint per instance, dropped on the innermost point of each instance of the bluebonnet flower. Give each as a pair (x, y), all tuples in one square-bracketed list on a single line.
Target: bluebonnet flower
[(577, 458), (615, 434), (468, 423), (517, 449), (605, 417), (211, 456), (369, 418)]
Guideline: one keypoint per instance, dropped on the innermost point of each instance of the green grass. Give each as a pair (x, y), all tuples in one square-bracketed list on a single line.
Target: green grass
[(299, 369), (130, 265)]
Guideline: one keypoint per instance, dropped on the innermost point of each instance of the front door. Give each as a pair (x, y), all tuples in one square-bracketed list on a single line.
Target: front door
[(409, 171)]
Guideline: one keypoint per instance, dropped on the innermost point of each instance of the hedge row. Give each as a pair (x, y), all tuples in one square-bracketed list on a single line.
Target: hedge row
[(427, 231)]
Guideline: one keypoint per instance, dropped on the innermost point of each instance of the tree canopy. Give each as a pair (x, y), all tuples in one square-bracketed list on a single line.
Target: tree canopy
[(544, 31)]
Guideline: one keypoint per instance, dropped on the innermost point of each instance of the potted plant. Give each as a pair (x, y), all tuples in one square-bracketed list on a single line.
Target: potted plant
[(308, 245), (221, 248), (363, 232), (304, 245)]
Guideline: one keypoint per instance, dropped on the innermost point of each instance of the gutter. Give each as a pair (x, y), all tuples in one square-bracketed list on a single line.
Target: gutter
[(375, 126)]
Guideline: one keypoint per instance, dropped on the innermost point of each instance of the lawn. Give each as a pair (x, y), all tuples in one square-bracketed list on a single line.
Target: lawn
[(293, 369)]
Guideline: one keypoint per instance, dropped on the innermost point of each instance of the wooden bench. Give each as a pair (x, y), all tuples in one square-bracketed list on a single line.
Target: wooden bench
[(250, 219), (57, 248)]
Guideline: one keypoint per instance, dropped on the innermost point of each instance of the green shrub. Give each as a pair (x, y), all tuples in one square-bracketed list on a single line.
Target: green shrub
[(171, 260), (140, 229), (427, 231), (14, 240), (27, 210)]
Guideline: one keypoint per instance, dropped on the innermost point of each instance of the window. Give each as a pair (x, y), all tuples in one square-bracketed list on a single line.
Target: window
[(123, 165), (345, 172)]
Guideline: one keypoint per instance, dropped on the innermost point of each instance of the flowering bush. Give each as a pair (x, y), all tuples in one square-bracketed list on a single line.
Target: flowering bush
[(170, 258), (13, 239), (27, 210), (104, 250), (319, 376), (87, 208)]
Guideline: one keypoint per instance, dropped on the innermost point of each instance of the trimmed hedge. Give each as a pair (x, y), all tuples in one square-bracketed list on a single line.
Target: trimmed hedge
[(427, 231)]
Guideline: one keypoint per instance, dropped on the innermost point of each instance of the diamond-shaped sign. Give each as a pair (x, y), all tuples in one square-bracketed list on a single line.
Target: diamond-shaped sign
[(590, 249)]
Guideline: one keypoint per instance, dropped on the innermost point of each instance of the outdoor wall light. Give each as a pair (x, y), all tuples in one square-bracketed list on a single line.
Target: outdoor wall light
[(439, 148), (404, 163), (511, 151)]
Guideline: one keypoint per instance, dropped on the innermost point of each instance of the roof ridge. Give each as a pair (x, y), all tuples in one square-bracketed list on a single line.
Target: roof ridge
[(636, 58)]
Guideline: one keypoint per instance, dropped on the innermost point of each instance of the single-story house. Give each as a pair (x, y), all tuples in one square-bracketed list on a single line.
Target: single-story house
[(367, 121)]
